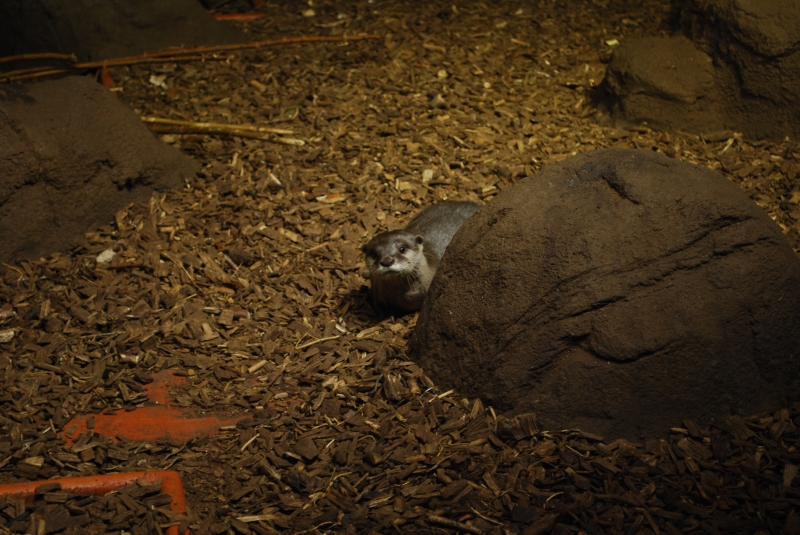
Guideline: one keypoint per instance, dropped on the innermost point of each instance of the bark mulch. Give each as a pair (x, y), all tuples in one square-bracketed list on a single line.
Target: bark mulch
[(246, 282), (140, 507)]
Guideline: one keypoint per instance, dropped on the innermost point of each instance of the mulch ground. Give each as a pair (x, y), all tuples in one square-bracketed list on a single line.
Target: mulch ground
[(246, 283)]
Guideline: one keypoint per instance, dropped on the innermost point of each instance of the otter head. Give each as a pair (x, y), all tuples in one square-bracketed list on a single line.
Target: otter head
[(392, 253)]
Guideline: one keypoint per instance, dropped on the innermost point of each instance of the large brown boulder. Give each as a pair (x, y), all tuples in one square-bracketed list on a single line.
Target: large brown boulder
[(70, 157), (619, 292), (736, 67)]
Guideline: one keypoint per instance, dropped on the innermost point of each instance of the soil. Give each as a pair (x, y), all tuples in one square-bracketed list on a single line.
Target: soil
[(247, 283)]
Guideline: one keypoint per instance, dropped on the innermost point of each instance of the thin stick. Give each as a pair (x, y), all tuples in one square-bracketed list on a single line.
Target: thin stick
[(169, 129), (178, 51), (37, 72), (29, 70), (223, 48), (317, 341), (41, 55), (491, 520), (175, 54), (221, 126), (231, 263)]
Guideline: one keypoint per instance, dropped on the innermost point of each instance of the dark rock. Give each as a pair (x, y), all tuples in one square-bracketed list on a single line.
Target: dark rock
[(665, 82), (72, 156), (735, 67), (112, 28), (619, 292)]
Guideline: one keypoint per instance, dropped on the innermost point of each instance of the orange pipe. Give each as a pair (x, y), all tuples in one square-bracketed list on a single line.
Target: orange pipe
[(106, 79), (239, 17), (148, 423), (156, 421), (170, 484), (152, 422)]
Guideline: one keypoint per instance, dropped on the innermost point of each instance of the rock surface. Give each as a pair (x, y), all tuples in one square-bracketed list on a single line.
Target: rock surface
[(72, 156), (618, 292), (666, 82), (738, 64), (112, 28)]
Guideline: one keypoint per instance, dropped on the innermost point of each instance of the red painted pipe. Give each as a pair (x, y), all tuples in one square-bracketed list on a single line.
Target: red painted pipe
[(239, 17), (170, 484), (151, 422)]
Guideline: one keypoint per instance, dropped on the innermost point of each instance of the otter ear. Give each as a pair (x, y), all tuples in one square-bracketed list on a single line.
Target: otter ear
[(418, 240), (363, 248)]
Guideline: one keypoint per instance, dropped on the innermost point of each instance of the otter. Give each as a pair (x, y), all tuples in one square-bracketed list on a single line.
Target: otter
[(401, 263)]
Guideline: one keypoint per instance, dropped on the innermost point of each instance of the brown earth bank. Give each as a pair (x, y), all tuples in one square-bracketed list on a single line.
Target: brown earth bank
[(246, 283), (72, 156)]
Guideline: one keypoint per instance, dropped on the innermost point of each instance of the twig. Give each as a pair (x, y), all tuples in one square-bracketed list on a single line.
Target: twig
[(221, 126), (248, 443), (169, 129), (33, 73), (488, 519), (29, 70), (175, 54), (41, 55), (455, 524), (315, 341), (231, 263), (38, 72), (134, 60), (18, 270), (170, 52)]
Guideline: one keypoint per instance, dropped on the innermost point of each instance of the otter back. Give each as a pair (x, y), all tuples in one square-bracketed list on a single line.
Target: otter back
[(438, 224)]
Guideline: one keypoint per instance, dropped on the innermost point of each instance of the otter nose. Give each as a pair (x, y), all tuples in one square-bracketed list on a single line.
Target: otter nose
[(387, 261)]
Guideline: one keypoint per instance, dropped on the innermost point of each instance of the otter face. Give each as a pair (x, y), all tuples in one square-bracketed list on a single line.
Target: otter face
[(392, 253)]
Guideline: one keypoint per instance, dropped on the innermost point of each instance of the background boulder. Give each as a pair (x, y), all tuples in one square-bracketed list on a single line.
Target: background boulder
[(735, 66), (618, 292), (71, 157), (95, 30), (668, 83)]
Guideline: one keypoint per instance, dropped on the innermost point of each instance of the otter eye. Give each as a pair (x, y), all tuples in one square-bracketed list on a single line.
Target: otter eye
[(402, 249)]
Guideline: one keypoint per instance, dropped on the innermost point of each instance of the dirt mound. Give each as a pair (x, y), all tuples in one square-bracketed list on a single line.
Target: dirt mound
[(617, 292), (113, 28), (737, 69), (667, 83), (71, 157)]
